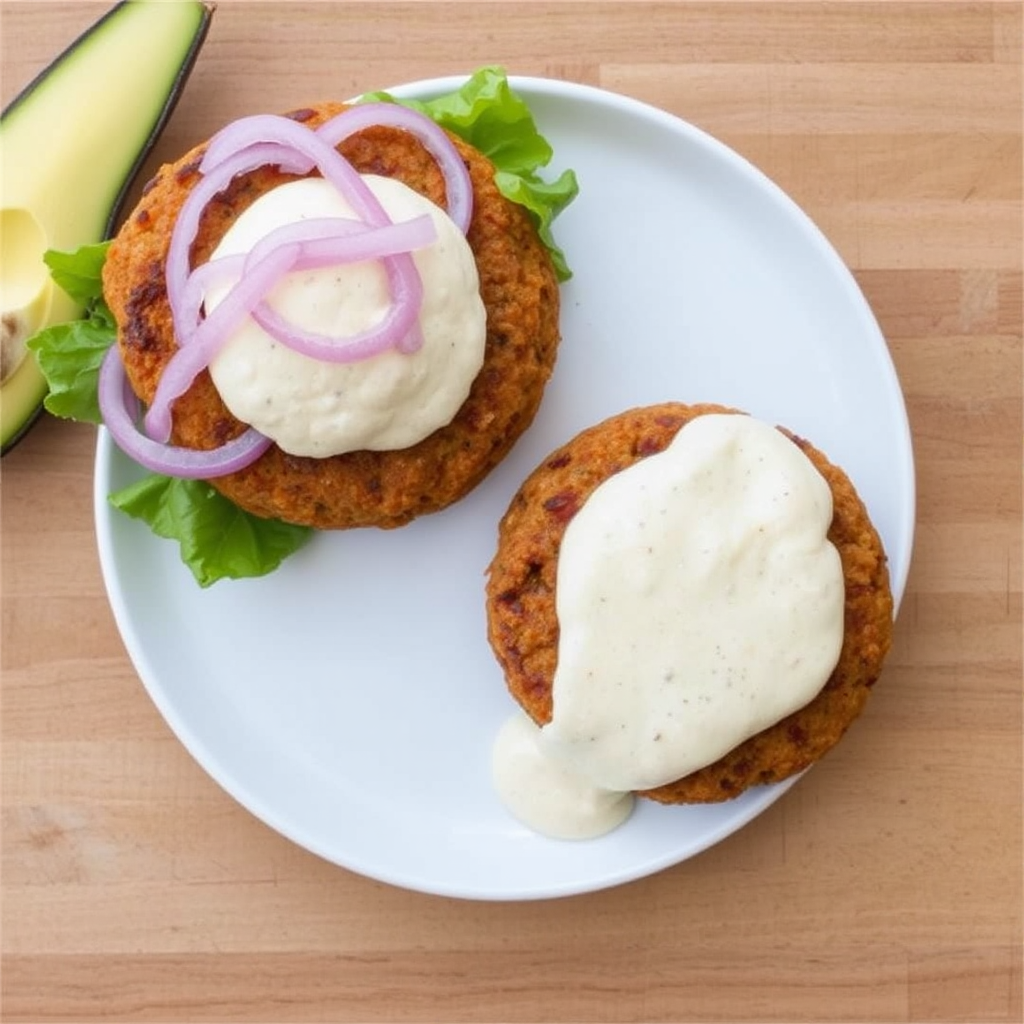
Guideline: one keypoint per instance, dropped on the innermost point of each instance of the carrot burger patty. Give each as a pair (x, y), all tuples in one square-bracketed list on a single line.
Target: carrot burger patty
[(387, 489), (523, 626)]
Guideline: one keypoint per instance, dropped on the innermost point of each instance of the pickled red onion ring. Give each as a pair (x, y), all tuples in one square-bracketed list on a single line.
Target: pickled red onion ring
[(458, 188), (193, 357), (286, 249), (186, 224), (396, 326), (243, 146), (243, 135), (275, 130), (335, 240), (190, 306), (120, 409), (326, 241)]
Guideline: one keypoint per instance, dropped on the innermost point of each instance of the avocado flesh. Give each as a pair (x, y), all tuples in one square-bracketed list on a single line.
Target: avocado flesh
[(70, 146)]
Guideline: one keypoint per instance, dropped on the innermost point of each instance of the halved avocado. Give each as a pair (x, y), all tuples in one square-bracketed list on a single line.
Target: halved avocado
[(70, 145)]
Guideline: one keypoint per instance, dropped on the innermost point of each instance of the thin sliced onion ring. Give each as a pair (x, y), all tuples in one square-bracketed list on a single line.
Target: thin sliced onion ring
[(243, 135), (186, 224), (268, 139), (282, 251), (332, 249), (309, 232), (194, 356), (191, 305), (326, 241), (272, 129), (120, 410), (458, 188)]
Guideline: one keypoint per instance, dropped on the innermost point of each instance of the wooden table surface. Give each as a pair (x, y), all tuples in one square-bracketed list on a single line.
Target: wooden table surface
[(885, 886)]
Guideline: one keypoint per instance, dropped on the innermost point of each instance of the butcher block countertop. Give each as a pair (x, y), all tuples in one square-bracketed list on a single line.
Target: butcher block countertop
[(884, 886)]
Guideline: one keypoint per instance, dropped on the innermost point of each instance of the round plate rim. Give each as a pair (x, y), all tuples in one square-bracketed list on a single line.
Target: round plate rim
[(207, 759)]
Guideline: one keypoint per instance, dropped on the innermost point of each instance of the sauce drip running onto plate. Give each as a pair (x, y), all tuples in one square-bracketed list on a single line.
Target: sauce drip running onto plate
[(699, 602)]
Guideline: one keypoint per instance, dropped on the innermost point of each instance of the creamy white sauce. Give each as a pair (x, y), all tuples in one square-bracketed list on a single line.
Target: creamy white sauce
[(389, 401), (547, 795), (699, 601)]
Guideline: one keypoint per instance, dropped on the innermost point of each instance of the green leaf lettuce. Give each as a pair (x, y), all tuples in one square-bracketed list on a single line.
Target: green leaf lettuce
[(217, 538), (487, 114), (79, 273), (70, 354)]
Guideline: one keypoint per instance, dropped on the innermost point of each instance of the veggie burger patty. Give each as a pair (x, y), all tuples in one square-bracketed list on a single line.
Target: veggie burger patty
[(387, 489), (523, 625)]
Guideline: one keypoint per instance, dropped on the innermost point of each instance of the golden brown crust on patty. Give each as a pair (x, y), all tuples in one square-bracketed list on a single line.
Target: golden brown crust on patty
[(523, 626), (364, 488)]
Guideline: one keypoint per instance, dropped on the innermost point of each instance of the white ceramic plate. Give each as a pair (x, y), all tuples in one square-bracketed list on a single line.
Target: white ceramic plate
[(349, 699)]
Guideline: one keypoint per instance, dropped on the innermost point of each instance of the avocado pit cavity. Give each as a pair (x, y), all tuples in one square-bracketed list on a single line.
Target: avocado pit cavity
[(26, 286)]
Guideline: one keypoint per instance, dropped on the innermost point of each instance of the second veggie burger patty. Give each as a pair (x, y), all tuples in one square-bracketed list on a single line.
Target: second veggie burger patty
[(518, 286), (523, 625)]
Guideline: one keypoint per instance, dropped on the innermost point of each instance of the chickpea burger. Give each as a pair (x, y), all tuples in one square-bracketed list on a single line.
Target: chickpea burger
[(686, 602), (340, 317)]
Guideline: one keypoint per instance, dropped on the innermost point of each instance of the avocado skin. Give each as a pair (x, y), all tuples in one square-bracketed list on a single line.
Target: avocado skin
[(29, 399), (31, 414)]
